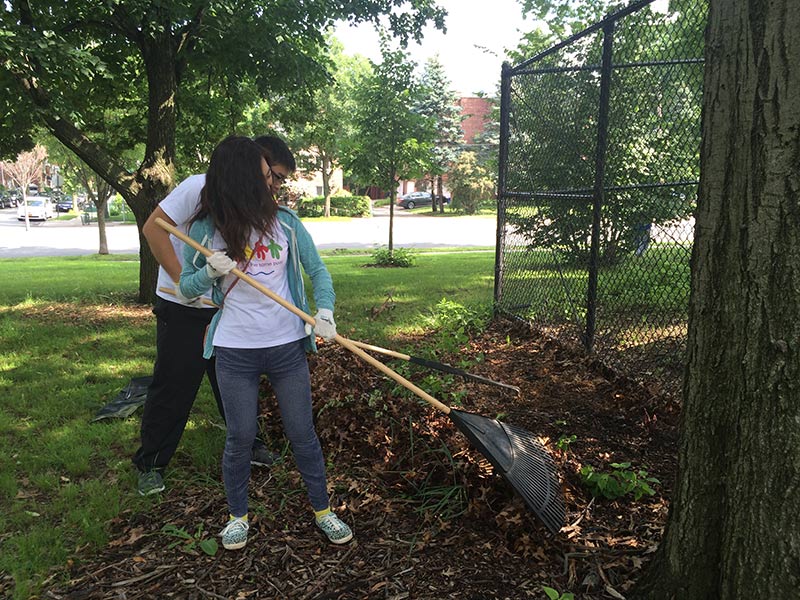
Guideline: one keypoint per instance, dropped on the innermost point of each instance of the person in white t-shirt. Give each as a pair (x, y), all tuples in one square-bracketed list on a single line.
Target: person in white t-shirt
[(252, 335), (180, 327)]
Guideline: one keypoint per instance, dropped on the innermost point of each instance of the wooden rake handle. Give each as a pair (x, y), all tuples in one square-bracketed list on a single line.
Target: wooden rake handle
[(343, 341), (438, 366), (431, 364)]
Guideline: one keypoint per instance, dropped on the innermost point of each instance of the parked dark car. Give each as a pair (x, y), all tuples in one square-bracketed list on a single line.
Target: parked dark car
[(63, 204), (417, 199)]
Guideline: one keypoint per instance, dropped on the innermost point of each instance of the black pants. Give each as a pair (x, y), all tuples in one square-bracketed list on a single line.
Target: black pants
[(177, 376)]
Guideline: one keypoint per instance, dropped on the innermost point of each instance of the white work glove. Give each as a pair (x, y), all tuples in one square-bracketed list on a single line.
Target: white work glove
[(193, 302), (325, 327), (218, 264)]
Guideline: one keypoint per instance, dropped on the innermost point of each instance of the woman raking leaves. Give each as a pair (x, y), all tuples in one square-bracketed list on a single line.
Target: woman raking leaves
[(252, 335)]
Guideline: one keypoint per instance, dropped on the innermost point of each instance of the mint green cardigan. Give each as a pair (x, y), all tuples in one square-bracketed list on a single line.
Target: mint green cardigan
[(195, 280)]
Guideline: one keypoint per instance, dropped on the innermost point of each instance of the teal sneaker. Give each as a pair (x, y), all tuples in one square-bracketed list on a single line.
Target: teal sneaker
[(337, 530), (234, 534), (150, 482)]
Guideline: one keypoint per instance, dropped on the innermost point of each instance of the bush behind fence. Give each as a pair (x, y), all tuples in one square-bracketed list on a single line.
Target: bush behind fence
[(341, 206), (599, 167)]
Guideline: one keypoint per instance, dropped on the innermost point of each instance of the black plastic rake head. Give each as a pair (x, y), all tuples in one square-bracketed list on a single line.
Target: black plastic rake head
[(522, 460)]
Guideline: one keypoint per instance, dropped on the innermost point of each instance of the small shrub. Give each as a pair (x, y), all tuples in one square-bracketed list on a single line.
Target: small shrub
[(621, 481), (398, 257), (188, 542), (457, 321), (556, 595), (341, 206), (470, 184), (564, 442)]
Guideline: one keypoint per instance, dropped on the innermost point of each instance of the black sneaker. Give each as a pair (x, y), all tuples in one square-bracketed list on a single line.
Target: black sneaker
[(150, 482), (263, 457)]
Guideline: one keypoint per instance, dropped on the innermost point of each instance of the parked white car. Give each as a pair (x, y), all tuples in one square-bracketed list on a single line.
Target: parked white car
[(39, 207)]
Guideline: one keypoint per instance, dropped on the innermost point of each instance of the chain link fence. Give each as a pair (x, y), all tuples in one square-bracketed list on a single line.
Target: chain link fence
[(599, 167)]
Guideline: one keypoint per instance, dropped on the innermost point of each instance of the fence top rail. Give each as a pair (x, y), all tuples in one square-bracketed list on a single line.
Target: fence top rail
[(614, 66), (608, 20), (584, 193)]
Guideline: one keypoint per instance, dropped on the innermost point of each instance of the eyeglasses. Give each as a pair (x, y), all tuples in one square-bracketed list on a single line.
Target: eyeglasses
[(280, 178)]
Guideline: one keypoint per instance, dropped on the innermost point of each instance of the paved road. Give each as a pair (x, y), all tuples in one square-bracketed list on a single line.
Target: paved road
[(59, 238)]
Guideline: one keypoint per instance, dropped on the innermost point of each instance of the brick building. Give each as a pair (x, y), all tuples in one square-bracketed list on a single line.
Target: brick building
[(476, 112)]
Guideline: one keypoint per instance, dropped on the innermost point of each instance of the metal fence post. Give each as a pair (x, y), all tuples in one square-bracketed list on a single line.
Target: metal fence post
[(505, 105), (599, 182)]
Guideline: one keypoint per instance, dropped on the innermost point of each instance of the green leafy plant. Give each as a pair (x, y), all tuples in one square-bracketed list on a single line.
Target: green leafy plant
[(456, 321), (556, 595), (398, 257), (564, 442), (622, 480), (341, 206), (377, 402), (442, 387), (188, 542)]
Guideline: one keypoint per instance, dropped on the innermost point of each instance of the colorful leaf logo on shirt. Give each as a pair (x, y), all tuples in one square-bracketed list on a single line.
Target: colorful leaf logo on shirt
[(275, 249), (260, 251)]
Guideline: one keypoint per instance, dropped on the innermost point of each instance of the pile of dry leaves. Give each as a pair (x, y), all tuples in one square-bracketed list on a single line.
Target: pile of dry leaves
[(430, 518)]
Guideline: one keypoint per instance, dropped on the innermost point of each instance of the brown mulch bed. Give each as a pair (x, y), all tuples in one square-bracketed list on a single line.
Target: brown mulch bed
[(430, 518)]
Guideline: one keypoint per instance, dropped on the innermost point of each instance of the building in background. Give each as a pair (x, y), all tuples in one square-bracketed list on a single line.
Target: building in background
[(477, 113)]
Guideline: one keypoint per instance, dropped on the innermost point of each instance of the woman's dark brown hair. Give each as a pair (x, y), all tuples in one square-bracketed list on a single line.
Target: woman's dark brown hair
[(236, 196)]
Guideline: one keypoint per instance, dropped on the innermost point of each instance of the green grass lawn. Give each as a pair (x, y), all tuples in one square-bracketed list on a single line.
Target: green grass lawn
[(71, 338)]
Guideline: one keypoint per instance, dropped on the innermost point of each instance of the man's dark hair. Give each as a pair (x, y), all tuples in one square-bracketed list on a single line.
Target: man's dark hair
[(278, 152)]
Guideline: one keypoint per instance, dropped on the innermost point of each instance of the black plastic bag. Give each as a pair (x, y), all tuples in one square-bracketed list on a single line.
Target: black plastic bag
[(127, 401)]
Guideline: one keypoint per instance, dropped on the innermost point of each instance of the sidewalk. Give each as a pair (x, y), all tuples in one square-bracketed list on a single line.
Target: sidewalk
[(70, 238)]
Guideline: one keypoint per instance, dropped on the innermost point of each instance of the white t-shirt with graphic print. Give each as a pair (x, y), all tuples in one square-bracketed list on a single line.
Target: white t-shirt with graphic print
[(180, 206), (250, 319)]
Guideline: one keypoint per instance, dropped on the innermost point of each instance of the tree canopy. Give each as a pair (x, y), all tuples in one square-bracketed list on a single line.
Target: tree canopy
[(324, 135), (391, 139), (173, 76), (439, 103), (652, 124)]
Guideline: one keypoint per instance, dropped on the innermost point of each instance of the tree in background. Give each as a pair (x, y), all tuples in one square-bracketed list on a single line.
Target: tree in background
[(323, 138), (168, 67), (79, 178), (653, 135), (470, 183), (391, 141), (24, 171), (565, 17), (734, 524), (440, 104)]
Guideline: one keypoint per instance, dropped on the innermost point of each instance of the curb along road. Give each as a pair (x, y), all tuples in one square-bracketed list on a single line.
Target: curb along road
[(70, 238)]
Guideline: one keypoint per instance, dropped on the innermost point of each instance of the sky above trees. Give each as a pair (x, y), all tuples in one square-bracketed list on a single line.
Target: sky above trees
[(473, 49)]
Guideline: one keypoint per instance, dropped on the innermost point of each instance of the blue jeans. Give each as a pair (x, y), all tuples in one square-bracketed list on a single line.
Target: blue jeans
[(238, 373)]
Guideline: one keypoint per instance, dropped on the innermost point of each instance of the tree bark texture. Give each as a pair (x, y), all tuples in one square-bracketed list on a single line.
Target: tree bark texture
[(156, 175), (326, 183), (734, 527)]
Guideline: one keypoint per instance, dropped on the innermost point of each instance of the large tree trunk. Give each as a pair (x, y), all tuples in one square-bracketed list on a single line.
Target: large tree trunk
[(734, 527), (157, 172), (146, 187)]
